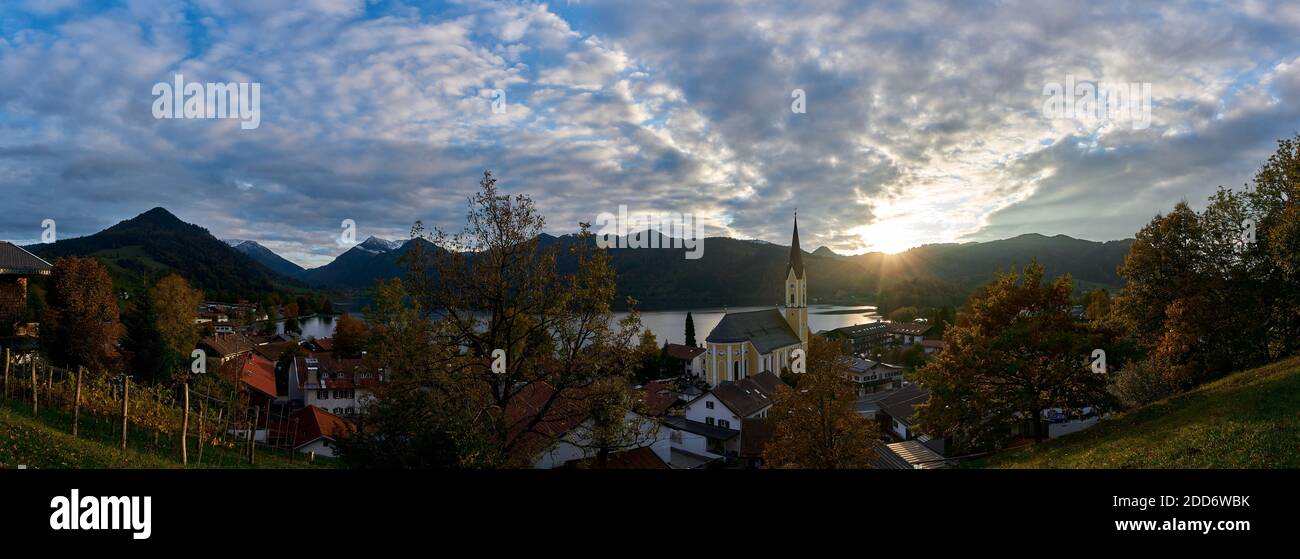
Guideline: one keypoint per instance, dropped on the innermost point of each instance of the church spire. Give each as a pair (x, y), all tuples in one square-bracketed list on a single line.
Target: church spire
[(796, 255)]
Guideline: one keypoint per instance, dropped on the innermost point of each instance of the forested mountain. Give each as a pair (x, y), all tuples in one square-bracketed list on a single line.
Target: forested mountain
[(731, 272), (268, 258), (143, 249)]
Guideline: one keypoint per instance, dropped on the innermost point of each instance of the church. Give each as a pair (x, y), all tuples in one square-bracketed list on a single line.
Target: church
[(745, 344)]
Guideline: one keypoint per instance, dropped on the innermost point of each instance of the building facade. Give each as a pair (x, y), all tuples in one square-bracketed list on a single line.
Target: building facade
[(745, 344)]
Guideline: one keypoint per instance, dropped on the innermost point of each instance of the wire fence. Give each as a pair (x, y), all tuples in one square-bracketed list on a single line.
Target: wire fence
[(222, 425)]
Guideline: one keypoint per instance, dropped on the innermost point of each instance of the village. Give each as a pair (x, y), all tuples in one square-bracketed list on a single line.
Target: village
[(709, 409)]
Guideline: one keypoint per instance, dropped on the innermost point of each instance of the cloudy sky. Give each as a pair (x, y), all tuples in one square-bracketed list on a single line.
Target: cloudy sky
[(924, 121)]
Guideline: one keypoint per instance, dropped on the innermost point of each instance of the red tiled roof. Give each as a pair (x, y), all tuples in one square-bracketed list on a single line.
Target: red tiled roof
[(683, 352), (228, 344), (658, 397), (312, 423), (566, 412), (643, 458), (909, 328), (254, 372)]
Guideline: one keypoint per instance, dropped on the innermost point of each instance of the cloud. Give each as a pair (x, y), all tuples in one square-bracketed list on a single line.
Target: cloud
[(924, 120)]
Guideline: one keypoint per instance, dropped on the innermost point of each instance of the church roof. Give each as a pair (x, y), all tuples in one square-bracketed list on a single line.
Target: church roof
[(766, 329), (796, 254), (15, 260)]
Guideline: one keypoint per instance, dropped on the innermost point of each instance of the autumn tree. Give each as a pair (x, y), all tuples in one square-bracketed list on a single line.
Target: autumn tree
[(81, 323), (495, 341), (175, 304), (816, 425), (350, 335), (1212, 292), (291, 323), (1096, 305), (649, 357), (1014, 352)]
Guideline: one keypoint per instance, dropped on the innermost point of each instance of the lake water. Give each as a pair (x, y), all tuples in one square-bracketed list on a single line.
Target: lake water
[(670, 326), (312, 327)]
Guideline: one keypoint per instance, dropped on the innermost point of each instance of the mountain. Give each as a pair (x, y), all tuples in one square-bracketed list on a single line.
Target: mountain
[(143, 249), (733, 272), (268, 258), (361, 265)]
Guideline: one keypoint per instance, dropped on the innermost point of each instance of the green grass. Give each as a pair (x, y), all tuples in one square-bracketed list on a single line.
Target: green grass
[(45, 442), (1249, 419)]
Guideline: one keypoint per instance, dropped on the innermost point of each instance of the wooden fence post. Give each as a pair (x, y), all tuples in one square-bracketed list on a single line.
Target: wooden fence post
[(185, 427), (6, 373), (76, 402), (252, 433), (34, 385), (203, 418), (126, 392)]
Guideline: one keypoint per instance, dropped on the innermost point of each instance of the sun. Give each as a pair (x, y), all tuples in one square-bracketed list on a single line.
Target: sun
[(882, 237)]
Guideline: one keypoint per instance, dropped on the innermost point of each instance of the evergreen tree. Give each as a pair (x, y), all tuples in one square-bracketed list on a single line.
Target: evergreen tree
[(690, 329)]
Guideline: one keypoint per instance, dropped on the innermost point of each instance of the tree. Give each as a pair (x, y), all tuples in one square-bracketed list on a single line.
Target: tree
[(291, 324), (496, 342), (816, 425), (350, 335), (649, 357), (269, 327), (1014, 352), (174, 304), (1096, 305), (690, 330), (905, 314), (81, 323)]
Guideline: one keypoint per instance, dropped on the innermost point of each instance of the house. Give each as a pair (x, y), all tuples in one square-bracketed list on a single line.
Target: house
[(16, 266), (730, 402), (546, 430), (316, 431), (861, 338), (255, 376), (933, 346), (710, 426), (908, 333), (689, 359), (870, 376), (917, 455), (695, 444), (897, 411), (658, 398), (227, 346), (744, 344), (337, 384), (642, 458)]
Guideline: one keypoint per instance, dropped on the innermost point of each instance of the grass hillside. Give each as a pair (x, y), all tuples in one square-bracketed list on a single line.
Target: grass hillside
[(44, 442), (1249, 419)]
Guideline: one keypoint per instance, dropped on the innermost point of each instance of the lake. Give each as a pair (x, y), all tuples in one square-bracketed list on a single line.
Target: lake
[(670, 326)]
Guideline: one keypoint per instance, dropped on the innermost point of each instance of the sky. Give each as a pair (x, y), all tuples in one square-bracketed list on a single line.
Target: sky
[(887, 125)]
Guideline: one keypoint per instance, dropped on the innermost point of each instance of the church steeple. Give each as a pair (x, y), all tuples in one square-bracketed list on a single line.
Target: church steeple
[(796, 289), (796, 254)]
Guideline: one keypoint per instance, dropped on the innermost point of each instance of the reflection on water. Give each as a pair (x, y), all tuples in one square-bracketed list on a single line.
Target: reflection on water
[(312, 327), (670, 326)]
